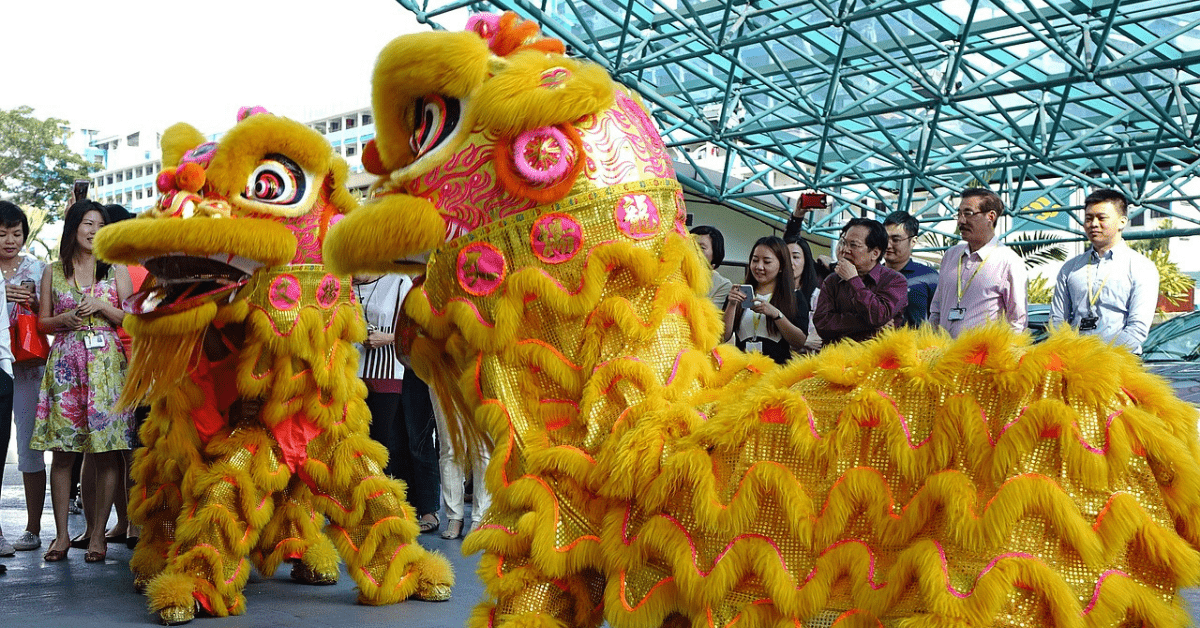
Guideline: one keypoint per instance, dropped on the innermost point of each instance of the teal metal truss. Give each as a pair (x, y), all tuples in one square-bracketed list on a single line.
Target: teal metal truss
[(900, 105)]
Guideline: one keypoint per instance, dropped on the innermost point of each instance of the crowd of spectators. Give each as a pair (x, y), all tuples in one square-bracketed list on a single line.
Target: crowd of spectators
[(873, 283)]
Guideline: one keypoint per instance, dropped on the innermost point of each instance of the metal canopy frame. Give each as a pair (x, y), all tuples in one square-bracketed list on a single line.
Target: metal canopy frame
[(888, 105)]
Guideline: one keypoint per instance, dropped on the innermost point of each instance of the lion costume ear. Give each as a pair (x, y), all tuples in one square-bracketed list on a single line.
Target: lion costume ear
[(178, 139)]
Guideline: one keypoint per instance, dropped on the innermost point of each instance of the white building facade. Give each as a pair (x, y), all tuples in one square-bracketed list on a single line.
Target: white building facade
[(130, 163)]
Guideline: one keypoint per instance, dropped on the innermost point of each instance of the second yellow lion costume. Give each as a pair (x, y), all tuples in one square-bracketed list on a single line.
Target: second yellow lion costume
[(646, 476), (258, 427)]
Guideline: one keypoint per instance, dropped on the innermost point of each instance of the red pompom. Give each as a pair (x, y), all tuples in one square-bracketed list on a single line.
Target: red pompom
[(190, 177), (166, 180), (371, 160)]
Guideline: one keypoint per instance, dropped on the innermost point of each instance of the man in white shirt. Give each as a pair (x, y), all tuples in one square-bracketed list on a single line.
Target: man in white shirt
[(980, 280), (1110, 290)]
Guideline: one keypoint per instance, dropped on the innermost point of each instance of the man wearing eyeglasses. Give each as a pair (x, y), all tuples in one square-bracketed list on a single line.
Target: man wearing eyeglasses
[(1111, 290), (922, 280), (861, 296), (980, 279)]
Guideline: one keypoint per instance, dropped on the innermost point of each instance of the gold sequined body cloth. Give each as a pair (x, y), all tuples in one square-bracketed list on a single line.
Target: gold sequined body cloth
[(981, 482)]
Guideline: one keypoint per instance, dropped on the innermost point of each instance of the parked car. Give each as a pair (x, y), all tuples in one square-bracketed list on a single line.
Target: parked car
[(1038, 320), (1172, 350)]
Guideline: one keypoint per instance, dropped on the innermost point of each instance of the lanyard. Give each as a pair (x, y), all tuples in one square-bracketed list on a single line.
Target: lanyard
[(1093, 298), (971, 279), (755, 316), (87, 292)]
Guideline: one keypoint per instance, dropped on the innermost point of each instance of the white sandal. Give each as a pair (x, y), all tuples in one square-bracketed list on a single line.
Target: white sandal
[(453, 529)]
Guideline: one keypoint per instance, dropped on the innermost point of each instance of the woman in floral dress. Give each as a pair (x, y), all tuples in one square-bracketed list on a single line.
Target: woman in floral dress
[(77, 409)]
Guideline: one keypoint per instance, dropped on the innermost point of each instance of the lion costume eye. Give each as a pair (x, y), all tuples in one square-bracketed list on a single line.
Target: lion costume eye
[(435, 119), (277, 181)]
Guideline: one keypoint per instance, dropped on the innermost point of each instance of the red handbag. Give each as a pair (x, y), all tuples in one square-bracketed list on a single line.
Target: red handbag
[(27, 342)]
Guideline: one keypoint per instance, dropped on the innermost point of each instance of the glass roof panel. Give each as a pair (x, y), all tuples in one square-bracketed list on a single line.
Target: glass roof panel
[(891, 104)]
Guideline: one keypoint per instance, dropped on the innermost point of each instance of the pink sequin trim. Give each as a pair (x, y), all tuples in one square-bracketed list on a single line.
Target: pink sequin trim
[(994, 440), (1099, 583)]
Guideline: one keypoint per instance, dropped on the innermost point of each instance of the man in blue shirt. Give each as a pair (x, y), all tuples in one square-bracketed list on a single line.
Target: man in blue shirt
[(922, 280), (1110, 290)]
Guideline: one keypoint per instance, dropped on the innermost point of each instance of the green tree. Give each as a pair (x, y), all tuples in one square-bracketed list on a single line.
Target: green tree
[(1172, 282), (36, 167)]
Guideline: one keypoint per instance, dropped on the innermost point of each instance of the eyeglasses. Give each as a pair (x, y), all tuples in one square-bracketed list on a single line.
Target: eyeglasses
[(851, 245), (966, 213)]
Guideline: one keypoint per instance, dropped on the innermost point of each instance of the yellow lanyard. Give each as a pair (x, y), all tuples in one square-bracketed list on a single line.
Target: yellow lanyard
[(755, 316), (1093, 298), (971, 279)]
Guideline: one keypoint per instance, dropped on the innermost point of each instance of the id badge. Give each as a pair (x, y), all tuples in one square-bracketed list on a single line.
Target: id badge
[(93, 341), (1088, 323), (955, 314), (754, 347)]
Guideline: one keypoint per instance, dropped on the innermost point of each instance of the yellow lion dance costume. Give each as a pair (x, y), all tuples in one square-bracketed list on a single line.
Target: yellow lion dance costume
[(644, 475), (242, 342)]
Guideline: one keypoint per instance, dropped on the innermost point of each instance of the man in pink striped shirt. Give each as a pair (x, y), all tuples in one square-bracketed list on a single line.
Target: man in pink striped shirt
[(980, 279)]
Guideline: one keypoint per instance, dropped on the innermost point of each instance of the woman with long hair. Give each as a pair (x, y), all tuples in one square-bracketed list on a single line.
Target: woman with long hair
[(804, 268), (764, 317), (77, 412), (21, 275)]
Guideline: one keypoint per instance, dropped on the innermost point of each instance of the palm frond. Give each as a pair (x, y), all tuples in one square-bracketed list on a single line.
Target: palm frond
[(1035, 250)]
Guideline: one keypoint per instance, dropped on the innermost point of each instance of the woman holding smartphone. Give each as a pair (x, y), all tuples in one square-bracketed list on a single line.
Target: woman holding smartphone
[(763, 314), (77, 412), (21, 275)]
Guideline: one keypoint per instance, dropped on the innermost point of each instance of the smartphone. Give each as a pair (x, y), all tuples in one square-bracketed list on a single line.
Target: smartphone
[(747, 291), (81, 189)]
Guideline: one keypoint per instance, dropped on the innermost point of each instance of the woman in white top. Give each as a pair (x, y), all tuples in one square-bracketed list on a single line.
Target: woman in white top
[(767, 321), (22, 273), (401, 410), (712, 245), (380, 296)]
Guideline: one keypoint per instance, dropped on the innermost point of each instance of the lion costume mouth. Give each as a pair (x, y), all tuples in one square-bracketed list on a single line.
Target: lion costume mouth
[(182, 281)]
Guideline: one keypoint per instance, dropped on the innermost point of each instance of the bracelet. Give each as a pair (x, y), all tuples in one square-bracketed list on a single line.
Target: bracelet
[(775, 318)]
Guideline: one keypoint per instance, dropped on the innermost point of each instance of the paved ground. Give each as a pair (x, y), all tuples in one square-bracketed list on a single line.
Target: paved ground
[(37, 594)]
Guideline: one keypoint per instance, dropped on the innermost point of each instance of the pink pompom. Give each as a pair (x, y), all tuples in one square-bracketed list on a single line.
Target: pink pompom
[(190, 177), (166, 180), (246, 112), (485, 24)]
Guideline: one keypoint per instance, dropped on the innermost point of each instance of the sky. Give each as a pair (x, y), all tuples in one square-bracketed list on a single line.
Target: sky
[(128, 65)]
